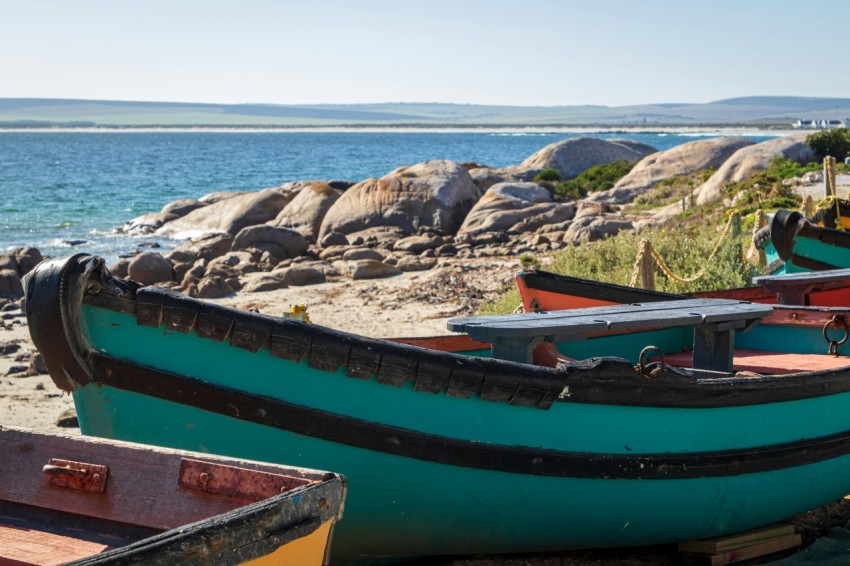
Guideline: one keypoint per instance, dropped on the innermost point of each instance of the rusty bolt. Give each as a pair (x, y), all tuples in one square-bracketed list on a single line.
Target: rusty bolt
[(323, 503), (96, 477), (204, 477)]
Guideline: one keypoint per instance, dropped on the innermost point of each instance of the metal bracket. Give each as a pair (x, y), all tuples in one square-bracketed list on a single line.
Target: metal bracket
[(235, 482), (76, 475)]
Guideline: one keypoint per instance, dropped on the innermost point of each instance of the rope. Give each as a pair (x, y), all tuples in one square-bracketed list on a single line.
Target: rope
[(646, 247)]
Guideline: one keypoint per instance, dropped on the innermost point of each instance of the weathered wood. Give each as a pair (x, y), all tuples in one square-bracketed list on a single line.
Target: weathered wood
[(515, 336), (769, 363), (794, 288), (736, 540), (744, 553), (193, 508), (136, 478)]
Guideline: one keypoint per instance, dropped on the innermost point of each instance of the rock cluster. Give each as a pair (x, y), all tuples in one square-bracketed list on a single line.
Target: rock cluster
[(309, 232), (13, 266)]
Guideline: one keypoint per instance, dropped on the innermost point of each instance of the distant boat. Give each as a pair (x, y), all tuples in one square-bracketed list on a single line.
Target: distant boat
[(87, 501), (646, 436), (793, 244)]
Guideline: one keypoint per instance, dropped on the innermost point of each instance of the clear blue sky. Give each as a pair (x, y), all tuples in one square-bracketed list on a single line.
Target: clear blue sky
[(529, 52)]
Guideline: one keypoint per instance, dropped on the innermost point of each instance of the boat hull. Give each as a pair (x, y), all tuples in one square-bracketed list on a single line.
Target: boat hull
[(78, 500), (497, 457), (793, 244)]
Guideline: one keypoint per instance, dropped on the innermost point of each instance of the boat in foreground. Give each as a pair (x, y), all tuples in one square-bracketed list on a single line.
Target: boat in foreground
[(71, 499), (476, 454), (793, 243)]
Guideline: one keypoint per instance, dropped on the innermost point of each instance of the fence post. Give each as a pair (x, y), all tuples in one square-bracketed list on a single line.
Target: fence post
[(829, 177), (761, 222), (647, 267)]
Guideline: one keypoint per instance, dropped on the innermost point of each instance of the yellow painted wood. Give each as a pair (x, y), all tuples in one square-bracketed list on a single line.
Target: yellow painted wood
[(309, 550)]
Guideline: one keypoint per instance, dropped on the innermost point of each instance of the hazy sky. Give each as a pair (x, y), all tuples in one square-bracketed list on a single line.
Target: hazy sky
[(529, 52)]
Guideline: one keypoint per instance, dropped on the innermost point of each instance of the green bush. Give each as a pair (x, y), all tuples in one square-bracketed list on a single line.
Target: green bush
[(597, 178), (548, 175), (830, 142)]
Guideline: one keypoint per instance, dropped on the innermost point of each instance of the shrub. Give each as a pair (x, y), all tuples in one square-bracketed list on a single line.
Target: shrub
[(547, 175), (830, 142), (597, 178)]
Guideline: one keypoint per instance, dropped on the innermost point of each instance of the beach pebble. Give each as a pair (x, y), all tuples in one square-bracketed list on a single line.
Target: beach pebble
[(17, 370), (37, 364), (68, 419), (8, 348)]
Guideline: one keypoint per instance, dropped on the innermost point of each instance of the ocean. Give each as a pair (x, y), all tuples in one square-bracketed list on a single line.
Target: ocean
[(68, 191)]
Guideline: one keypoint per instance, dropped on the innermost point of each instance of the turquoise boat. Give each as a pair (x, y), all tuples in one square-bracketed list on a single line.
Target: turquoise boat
[(794, 244), (463, 452)]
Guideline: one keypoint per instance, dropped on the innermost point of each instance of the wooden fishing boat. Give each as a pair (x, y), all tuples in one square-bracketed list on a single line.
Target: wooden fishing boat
[(543, 291), (477, 454), (71, 499), (793, 244)]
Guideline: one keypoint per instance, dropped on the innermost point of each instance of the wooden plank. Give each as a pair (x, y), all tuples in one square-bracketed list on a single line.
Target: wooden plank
[(34, 547), (804, 277), (745, 553), (767, 363), (137, 476), (737, 540), (664, 314)]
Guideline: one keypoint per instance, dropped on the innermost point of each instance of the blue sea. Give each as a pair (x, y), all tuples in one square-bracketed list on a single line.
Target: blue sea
[(67, 191)]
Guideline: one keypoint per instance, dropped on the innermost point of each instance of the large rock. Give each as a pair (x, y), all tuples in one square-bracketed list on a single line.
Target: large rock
[(264, 282), (229, 215), (147, 223), (366, 269), (515, 207), (9, 262), (678, 161), (149, 267), (589, 228), (206, 247), (750, 160), (305, 212), (437, 194), (283, 243), (183, 207), (299, 275), (10, 284), (22, 260), (571, 157)]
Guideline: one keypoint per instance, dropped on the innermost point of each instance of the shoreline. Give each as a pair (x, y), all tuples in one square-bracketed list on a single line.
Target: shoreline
[(686, 130)]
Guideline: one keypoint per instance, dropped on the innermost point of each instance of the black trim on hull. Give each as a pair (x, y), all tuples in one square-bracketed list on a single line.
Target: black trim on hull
[(787, 225), (563, 284), (349, 431)]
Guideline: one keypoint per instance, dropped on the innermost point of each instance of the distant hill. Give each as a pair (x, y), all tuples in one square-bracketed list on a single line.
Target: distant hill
[(753, 110)]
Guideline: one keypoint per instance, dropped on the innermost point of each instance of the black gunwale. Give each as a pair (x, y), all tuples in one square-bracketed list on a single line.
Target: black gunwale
[(398, 441)]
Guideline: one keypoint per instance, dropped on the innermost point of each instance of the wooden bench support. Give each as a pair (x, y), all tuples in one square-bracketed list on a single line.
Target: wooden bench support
[(794, 288), (515, 349)]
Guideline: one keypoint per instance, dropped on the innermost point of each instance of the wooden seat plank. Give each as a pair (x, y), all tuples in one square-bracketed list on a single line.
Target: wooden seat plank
[(514, 336), (794, 288)]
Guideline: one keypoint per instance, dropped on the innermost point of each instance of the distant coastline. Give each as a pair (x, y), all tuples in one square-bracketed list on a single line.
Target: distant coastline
[(759, 113), (689, 129)]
